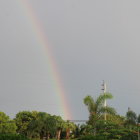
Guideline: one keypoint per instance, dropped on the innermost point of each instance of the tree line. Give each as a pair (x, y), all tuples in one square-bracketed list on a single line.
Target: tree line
[(41, 125), (35, 124)]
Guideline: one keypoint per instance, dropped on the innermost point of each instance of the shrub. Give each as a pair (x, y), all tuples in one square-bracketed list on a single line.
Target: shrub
[(12, 137), (91, 137)]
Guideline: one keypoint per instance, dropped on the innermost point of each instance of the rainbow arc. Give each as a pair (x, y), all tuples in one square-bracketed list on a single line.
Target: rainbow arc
[(51, 63)]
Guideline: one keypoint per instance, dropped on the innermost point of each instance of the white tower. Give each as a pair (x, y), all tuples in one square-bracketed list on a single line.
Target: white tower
[(104, 92)]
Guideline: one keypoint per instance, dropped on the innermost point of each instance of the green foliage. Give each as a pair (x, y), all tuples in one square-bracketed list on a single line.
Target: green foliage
[(131, 117), (12, 137), (118, 133), (116, 119), (91, 137), (22, 121), (110, 133), (138, 119), (46, 125), (41, 125), (114, 127), (6, 125), (96, 107)]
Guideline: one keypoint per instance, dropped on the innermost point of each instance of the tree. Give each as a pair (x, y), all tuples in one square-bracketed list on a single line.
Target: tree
[(6, 125), (22, 120), (59, 124), (131, 118), (97, 109), (138, 119), (45, 126), (116, 119), (69, 127), (40, 126)]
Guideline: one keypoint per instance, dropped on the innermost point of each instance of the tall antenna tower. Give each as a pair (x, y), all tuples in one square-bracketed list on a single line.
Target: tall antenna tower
[(104, 92)]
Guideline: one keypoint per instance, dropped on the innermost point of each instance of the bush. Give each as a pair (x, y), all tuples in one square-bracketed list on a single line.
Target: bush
[(91, 137), (12, 137)]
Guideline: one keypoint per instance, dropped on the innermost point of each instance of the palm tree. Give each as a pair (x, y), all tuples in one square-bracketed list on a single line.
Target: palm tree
[(59, 122), (96, 107), (41, 126), (69, 127)]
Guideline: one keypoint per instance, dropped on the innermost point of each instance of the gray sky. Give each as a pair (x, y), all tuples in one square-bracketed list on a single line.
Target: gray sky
[(91, 40)]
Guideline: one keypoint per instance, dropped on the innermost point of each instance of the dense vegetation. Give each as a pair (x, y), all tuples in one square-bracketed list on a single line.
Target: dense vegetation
[(103, 124)]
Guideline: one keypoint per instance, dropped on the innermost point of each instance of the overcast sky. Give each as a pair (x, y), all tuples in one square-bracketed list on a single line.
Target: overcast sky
[(91, 41)]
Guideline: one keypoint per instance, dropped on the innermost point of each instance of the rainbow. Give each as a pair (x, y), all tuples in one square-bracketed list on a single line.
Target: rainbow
[(52, 67)]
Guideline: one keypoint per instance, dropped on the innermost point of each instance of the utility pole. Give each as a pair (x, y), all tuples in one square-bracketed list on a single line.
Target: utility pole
[(104, 92)]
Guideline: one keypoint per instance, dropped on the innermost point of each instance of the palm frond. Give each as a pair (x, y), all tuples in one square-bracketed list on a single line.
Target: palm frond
[(101, 99), (108, 110), (89, 102)]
